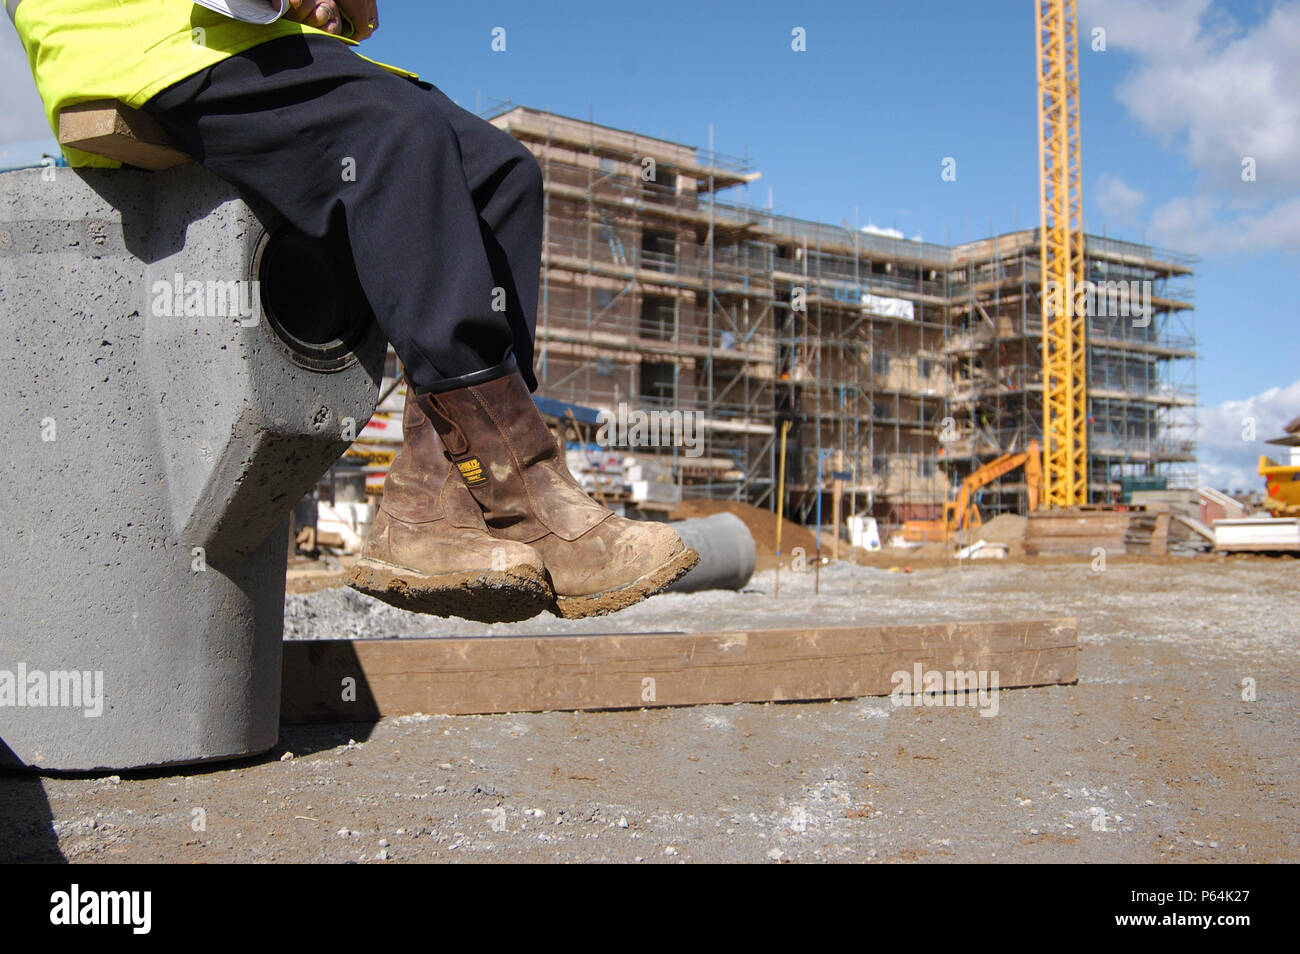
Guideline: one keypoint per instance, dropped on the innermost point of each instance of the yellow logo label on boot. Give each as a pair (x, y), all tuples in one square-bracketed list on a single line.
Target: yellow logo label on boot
[(472, 470)]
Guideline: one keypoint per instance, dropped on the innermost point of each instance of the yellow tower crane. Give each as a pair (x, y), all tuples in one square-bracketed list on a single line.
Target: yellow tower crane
[(1065, 350)]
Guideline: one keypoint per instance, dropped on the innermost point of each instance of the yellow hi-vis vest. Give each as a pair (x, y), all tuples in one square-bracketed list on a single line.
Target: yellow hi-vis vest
[(128, 50)]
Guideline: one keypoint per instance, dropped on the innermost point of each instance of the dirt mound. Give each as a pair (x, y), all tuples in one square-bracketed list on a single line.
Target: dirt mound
[(761, 523), (1004, 528)]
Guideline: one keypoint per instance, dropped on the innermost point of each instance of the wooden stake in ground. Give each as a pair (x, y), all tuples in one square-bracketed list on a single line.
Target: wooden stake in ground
[(780, 507), (837, 499)]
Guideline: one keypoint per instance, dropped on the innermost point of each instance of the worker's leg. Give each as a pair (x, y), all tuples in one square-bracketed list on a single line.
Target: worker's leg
[(508, 196), (349, 152), (331, 141), (441, 215)]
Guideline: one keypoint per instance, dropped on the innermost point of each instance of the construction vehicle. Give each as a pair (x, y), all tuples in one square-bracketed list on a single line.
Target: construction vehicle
[(1282, 480), (1282, 483), (962, 513)]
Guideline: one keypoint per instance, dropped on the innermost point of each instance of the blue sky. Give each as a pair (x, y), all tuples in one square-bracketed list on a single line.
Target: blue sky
[(857, 126)]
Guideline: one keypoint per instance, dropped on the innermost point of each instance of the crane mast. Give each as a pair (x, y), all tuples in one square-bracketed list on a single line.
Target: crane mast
[(1065, 353)]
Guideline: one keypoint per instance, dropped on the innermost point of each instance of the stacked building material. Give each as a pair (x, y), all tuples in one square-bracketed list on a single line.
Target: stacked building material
[(598, 470), (1186, 532), (1258, 535), (1148, 530), (651, 482), (1216, 505), (1084, 530)]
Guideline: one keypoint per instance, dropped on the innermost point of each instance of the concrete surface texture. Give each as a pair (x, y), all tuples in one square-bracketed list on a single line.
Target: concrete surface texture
[(158, 436), (1177, 744)]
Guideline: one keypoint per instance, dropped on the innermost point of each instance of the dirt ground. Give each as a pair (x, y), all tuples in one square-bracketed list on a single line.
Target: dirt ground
[(1153, 756)]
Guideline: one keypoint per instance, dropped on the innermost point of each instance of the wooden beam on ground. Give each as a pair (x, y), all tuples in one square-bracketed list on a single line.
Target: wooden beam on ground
[(361, 680), (1082, 530), (107, 128)]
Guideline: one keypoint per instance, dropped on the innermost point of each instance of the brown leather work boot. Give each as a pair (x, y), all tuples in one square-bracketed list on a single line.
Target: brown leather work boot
[(597, 562), (429, 550)]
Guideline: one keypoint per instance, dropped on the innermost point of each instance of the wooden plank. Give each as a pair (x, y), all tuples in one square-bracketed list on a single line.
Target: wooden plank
[(1257, 548), (107, 128), (540, 673), (1081, 530), (1191, 523)]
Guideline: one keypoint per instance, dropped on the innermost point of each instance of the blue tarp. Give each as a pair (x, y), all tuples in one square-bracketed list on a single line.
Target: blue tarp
[(553, 408)]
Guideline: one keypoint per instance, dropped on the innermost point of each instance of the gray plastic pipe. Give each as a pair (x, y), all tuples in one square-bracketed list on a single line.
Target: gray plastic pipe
[(726, 549)]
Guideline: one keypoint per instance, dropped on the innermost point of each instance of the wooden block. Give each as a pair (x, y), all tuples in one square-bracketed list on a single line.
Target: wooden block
[(539, 673), (1081, 530), (107, 128)]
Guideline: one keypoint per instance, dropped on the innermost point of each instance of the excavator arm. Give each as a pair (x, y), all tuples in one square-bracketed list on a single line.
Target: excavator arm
[(1030, 459), (958, 514)]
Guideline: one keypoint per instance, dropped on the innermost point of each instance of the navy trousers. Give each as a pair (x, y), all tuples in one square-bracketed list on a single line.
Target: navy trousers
[(442, 211)]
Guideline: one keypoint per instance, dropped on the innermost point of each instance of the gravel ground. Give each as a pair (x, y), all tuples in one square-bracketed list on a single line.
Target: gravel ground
[(1153, 756)]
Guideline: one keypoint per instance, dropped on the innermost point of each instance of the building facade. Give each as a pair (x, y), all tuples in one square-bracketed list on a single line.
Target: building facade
[(900, 365)]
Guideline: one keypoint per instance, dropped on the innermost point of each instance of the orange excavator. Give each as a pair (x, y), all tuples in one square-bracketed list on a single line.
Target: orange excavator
[(962, 513)]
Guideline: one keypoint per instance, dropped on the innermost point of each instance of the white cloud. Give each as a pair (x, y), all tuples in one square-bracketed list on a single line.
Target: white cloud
[(1228, 459), (22, 117), (1147, 27), (1220, 93), (1117, 200), (1202, 224)]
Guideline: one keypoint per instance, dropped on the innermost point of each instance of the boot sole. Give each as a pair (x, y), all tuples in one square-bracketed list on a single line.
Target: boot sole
[(611, 601), (492, 596)]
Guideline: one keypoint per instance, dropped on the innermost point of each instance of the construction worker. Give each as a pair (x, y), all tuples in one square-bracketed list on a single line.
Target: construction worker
[(442, 213)]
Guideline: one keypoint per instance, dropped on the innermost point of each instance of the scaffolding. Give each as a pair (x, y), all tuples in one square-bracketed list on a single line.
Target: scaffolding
[(1141, 360), (902, 365)]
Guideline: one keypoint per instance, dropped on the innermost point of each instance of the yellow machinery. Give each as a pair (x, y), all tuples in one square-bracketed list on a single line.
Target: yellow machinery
[(962, 514), (1283, 488), (1065, 355)]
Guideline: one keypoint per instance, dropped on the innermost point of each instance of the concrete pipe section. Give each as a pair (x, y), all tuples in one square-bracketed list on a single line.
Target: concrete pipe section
[(176, 377), (726, 549)]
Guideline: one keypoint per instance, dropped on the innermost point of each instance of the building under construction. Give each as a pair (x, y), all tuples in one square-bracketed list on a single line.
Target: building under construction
[(901, 365)]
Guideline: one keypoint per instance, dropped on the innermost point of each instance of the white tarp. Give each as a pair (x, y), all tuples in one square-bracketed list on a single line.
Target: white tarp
[(889, 307)]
